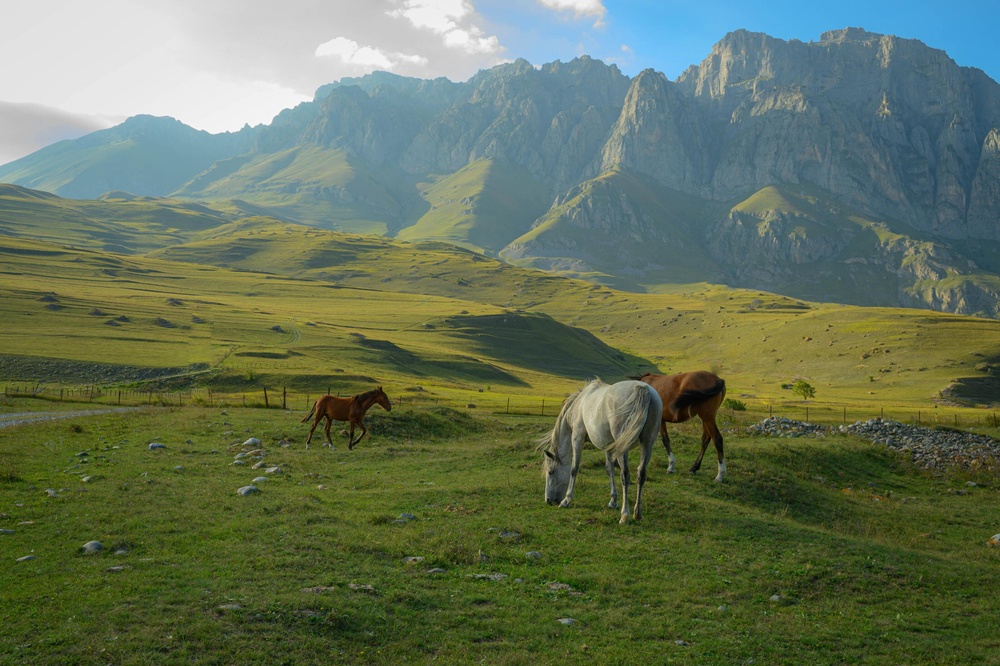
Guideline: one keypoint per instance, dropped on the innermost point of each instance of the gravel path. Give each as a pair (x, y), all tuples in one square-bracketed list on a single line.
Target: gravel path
[(9, 420)]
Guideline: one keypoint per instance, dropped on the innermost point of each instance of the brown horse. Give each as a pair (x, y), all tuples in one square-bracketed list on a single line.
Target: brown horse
[(685, 395), (352, 409)]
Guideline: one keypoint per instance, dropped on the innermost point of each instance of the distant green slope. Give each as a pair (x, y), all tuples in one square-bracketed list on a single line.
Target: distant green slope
[(144, 154), (619, 229), (129, 225), (319, 186), (481, 206)]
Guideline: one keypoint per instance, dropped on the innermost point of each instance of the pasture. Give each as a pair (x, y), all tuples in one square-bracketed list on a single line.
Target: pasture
[(827, 550)]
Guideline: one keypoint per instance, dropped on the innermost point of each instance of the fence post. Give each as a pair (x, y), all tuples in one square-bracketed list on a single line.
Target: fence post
[(845, 415), (284, 397), (266, 405), (508, 406)]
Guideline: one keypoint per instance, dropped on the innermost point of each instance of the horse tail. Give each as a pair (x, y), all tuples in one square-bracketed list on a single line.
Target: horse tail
[(311, 412), (635, 421), (695, 396)]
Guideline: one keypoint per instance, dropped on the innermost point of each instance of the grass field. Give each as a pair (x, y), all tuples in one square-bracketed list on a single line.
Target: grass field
[(821, 550)]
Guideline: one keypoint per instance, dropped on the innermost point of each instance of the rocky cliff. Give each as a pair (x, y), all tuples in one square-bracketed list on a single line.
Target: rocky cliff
[(815, 169)]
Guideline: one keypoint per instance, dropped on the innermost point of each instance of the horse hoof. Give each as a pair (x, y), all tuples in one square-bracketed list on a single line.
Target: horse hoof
[(623, 521), (613, 505), (670, 470), (564, 504)]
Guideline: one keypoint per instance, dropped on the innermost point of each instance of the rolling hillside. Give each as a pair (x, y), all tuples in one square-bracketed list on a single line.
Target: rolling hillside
[(313, 303)]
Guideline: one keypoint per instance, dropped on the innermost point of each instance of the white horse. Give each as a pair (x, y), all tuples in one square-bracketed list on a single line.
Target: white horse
[(614, 418)]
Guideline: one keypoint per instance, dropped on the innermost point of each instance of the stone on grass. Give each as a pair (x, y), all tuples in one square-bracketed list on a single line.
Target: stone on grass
[(156, 445), (26, 558), (247, 490), (92, 547), (259, 479), (566, 620), (533, 555), (414, 559), (404, 518), (253, 441), (6, 531), (274, 470)]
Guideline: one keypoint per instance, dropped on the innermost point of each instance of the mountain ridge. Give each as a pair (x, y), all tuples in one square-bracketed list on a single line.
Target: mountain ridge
[(896, 146)]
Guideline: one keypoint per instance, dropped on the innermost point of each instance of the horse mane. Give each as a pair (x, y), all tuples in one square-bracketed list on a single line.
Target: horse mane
[(361, 397), (549, 438)]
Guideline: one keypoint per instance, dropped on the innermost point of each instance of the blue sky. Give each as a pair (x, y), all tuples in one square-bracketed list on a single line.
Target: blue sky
[(72, 67)]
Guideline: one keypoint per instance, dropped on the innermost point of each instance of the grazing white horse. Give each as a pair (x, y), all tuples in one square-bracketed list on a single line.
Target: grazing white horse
[(614, 418)]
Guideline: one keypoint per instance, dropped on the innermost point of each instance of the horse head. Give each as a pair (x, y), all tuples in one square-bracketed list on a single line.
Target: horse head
[(556, 470), (382, 399)]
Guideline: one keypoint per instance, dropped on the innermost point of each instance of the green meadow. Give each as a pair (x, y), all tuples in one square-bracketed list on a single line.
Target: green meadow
[(832, 549), (431, 543)]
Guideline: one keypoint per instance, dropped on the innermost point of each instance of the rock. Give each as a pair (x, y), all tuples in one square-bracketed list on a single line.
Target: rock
[(274, 470), (253, 441), (533, 555), (26, 558), (156, 445), (416, 559), (259, 479), (492, 576), (361, 587), (248, 490), (6, 531), (405, 518), (51, 492), (566, 620), (436, 570), (92, 547), (317, 589)]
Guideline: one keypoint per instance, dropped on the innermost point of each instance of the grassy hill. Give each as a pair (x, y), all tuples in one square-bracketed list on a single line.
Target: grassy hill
[(482, 207), (307, 303)]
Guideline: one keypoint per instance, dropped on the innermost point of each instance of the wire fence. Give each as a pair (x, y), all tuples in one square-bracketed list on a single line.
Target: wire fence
[(493, 402)]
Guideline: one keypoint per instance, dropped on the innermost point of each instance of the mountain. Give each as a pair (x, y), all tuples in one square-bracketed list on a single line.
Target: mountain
[(860, 168)]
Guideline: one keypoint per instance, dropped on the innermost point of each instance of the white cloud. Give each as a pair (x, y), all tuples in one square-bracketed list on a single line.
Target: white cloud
[(454, 20), (365, 57), (580, 8)]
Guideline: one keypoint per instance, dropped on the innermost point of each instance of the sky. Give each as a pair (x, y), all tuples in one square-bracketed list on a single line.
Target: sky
[(71, 67)]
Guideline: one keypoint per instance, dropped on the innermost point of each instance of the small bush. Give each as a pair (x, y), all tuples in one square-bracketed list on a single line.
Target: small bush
[(735, 405)]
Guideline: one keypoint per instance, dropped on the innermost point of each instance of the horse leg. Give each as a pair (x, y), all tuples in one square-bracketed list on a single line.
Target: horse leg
[(354, 442), (574, 470), (329, 440), (609, 465), (647, 452), (312, 429), (623, 461), (705, 438), (712, 429), (666, 442)]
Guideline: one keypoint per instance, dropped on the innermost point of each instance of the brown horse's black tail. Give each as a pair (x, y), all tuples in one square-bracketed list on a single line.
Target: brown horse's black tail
[(309, 415), (695, 396)]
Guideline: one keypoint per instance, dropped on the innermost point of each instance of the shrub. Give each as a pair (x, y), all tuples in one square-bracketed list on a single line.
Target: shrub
[(735, 405)]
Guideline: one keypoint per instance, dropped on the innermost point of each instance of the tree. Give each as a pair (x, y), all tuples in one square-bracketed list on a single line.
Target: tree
[(803, 388)]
